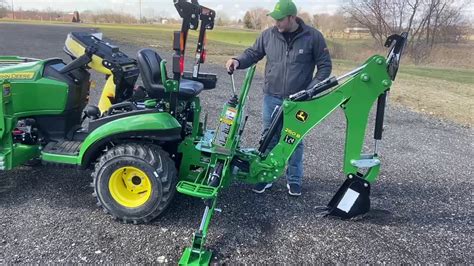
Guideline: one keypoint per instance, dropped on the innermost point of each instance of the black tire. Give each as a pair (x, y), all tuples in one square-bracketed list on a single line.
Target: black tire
[(151, 160)]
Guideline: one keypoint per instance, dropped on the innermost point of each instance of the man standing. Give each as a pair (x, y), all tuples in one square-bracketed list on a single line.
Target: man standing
[(293, 50)]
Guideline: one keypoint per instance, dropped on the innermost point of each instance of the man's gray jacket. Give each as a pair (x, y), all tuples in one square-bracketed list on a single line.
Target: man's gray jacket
[(289, 67)]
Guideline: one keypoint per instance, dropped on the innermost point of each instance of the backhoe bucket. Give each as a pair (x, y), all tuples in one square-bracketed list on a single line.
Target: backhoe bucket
[(351, 199)]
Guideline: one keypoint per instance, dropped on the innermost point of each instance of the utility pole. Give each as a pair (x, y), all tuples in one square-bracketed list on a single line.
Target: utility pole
[(140, 7), (13, 11)]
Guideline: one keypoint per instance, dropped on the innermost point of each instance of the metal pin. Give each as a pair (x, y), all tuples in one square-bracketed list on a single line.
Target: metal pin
[(233, 83)]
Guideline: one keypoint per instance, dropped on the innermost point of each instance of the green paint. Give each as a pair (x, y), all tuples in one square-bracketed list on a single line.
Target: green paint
[(356, 96), (205, 156), (196, 190), (35, 95), (23, 153), (145, 122), (195, 257), (58, 158)]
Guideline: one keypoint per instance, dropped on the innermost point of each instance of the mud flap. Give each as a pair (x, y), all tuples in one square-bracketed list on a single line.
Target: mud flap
[(352, 198)]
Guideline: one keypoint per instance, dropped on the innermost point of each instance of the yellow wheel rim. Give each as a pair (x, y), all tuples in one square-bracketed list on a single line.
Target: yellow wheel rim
[(130, 187)]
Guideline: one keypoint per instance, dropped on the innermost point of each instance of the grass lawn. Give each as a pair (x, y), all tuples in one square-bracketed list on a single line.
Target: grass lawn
[(465, 76)]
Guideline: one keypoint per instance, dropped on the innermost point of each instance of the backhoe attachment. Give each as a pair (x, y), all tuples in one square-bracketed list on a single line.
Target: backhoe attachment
[(221, 159), (355, 92)]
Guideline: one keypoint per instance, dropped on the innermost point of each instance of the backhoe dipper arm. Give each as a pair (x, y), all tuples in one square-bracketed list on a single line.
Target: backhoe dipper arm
[(304, 110)]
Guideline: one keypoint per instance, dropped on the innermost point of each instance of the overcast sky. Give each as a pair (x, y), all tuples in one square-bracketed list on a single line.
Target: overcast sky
[(232, 9)]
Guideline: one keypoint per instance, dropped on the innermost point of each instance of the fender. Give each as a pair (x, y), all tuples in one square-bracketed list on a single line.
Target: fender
[(162, 126)]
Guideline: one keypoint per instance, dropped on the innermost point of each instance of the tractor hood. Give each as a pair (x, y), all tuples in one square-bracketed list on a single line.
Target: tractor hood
[(8, 61), (19, 70)]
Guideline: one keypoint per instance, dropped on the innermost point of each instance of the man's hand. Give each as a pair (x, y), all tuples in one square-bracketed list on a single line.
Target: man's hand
[(231, 65)]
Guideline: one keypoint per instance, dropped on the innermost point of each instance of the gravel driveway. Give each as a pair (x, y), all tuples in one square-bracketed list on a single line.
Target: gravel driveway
[(421, 205)]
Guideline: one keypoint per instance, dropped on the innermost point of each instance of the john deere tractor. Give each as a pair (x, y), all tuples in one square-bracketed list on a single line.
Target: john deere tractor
[(130, 139), (147, 142)]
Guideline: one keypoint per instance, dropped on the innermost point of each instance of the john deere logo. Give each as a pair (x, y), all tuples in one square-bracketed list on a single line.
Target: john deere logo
[(19, 75), (302, 116), (6, 90)]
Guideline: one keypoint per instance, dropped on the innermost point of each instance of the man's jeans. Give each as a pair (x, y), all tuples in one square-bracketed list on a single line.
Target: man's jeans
[(294, 172)]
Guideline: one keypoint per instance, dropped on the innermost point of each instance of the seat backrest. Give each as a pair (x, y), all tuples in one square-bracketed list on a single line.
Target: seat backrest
[(149, 64)]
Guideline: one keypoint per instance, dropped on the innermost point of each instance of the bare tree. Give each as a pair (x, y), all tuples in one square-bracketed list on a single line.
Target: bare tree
[(306, 17), (4, 8), (223, 20), (428, 21), (256, 18), (329, 24), (110, 16)]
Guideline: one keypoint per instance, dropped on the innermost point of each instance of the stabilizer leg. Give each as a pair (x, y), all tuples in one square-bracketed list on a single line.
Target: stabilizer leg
[(197, 254)]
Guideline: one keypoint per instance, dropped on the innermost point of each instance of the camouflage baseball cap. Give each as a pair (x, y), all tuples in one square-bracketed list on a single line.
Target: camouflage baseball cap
[(283, 9)]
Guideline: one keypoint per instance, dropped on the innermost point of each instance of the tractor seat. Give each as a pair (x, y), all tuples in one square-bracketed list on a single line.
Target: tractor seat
[(149, 64)]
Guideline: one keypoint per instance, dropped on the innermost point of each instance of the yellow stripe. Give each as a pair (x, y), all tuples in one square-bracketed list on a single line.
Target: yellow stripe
[(107, 93)]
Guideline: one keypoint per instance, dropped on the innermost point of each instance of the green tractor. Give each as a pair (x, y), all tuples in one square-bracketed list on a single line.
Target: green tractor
[(132, 137), (148, 142)]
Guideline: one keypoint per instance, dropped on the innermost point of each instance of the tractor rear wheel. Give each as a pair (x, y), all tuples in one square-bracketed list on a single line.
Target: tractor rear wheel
[(135, 182)]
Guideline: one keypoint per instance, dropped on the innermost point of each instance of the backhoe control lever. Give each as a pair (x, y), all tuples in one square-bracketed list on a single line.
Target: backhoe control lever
[(234, 100)]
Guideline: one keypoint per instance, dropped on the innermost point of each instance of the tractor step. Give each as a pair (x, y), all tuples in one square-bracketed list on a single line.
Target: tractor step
[(63, 147), (196, 190)]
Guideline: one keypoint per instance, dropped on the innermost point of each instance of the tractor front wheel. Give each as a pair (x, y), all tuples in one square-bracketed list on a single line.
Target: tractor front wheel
[(135, 182)]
